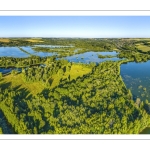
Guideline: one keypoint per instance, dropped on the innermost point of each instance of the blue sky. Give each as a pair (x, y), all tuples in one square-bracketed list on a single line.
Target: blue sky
[(75, 26)]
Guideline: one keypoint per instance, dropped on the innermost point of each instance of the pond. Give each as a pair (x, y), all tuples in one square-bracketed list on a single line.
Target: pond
[(12, 52), (8, 70), (137, 78), (91, 56), (5, 70)]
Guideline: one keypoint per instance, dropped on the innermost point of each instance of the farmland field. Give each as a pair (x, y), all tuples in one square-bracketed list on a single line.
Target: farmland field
[(142, 47)]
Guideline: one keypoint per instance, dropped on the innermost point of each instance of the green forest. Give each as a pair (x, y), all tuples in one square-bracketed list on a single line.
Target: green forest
[(55, 96)]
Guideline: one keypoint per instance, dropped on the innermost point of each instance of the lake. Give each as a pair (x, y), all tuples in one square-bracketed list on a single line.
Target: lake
[(7, 70), (137, 78), (12, 52), (16, 52), (113, 53)]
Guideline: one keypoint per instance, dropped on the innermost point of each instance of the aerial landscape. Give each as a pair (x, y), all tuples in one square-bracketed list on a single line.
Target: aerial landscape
[(74, 75)]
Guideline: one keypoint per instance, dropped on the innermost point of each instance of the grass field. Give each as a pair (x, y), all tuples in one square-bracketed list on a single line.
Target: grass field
[(34, 40), (139, 39), (4, 40), (17, 82), (142, 47), (75, 71)]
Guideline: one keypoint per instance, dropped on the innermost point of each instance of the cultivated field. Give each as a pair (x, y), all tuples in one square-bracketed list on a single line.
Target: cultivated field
[(34, 40), (4, 40), (142, 47)]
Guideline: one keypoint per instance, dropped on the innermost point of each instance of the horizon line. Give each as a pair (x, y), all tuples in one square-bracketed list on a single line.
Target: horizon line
[(84, 37)]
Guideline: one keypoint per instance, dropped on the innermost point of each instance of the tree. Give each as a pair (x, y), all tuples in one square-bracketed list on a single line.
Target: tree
[(1, 132), (1, 75), (13, 72)]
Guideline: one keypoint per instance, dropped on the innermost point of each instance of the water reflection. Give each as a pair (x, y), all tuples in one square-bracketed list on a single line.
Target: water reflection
[(12, 52), (8, 70), (137, 78)]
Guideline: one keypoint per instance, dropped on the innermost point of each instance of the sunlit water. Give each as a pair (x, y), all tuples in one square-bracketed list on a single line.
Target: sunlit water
[(12, 52)]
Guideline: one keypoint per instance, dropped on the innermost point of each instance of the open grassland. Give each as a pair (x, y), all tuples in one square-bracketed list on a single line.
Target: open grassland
[(34, 40), (4, 40), (75, 71), (17, 82), (139, 39), (142, 47)]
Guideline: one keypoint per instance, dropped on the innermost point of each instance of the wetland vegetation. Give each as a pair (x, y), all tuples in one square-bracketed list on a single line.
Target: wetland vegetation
[(74, 86)]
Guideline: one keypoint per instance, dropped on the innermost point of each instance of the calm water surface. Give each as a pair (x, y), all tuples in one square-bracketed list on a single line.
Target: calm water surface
[(113, 53), (12, 52), (16, 52), (137, 78), (7, 70)]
